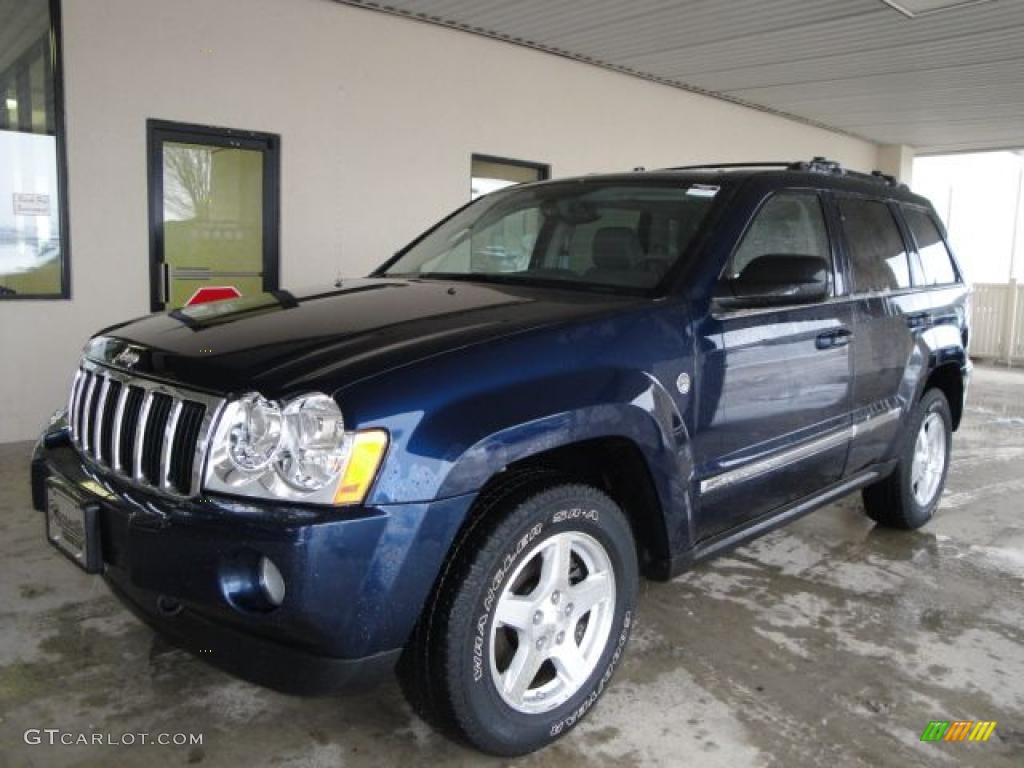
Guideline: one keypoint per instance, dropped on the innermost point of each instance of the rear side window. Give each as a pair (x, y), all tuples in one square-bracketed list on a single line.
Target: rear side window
[(936, 261), (790, 224), (877, 252)]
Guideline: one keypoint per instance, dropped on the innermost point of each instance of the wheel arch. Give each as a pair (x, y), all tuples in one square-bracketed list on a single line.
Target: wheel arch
[(639, 456), (616, 466), (948, 378)]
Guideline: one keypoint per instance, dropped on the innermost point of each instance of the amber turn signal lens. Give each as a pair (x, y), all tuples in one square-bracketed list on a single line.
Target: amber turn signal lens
[(368, 450)]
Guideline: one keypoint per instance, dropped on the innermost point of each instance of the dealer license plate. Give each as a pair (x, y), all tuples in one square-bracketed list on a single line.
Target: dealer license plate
[(72, 528)]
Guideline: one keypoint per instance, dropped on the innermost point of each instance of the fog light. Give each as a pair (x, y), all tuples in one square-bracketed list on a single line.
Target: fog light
[(271, 581)]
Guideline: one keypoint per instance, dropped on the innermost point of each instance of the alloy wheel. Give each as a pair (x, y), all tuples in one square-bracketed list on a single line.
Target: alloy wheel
[(552, 622)]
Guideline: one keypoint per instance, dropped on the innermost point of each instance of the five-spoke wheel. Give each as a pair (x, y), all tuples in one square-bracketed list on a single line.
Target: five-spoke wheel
[(530, 620), (552, 622), (929, 462), (907, 498)]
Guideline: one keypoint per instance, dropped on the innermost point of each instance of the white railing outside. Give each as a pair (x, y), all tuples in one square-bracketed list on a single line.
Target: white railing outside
[(997, 321)]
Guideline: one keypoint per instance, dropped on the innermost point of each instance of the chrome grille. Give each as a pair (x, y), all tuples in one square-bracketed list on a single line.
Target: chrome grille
[(146, 432)]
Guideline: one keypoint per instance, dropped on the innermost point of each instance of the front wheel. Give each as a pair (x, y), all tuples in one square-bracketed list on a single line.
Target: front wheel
[(531, 619), (909, 496)]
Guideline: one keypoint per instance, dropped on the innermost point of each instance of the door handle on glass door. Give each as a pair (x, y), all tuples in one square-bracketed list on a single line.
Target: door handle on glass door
[(165, 282), (832, 339), (919, 320)]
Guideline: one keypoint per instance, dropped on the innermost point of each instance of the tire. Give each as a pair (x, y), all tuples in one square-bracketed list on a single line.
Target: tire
[(459, 668), (902, 500)]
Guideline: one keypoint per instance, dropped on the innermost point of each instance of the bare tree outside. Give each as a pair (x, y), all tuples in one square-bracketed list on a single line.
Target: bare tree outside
[(187, 181)]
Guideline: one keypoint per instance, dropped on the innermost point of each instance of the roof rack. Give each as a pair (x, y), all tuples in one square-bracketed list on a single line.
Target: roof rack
[(713, 166), (814, 165)]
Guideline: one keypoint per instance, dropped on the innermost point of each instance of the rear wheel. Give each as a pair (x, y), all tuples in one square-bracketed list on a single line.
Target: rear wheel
[(909, 496), (530, 620)]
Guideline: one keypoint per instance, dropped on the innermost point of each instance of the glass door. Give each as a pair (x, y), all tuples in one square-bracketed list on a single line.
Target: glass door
[(213, 214)]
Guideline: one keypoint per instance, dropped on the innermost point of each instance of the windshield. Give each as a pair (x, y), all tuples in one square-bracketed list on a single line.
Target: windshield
[(597, 235)]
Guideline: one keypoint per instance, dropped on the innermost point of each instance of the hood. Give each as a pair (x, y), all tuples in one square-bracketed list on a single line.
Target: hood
[(280, 343)]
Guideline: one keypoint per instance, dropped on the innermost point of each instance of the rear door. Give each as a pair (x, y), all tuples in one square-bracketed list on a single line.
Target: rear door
[(774, 383), (885, 321)]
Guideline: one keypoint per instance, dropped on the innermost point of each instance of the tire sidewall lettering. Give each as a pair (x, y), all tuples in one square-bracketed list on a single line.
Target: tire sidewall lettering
[(577, 513), (493, 589), (577, 714)]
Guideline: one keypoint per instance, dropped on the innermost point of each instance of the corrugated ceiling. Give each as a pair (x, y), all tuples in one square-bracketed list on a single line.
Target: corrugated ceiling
[(944, 81)]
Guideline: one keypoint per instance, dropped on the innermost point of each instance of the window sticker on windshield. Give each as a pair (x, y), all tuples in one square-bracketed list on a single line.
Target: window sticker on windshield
[(703, 190)]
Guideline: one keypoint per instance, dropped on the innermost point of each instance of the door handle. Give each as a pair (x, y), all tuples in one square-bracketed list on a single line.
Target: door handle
[(165, 282), (840, 337)]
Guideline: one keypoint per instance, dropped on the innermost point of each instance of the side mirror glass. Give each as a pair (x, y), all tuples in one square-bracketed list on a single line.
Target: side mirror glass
[(775, 280)]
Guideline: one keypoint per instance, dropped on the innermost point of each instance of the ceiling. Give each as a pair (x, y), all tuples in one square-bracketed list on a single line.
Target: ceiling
[(940, 75)]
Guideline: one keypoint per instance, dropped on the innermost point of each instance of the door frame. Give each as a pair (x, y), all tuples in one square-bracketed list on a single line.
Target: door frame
[(159, 131)]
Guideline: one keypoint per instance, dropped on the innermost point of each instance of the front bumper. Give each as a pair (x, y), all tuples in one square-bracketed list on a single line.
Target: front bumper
[(356, 579)]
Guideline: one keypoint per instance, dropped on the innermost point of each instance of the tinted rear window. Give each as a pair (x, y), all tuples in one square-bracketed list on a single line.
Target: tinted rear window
[(877, 252), (935, 258)]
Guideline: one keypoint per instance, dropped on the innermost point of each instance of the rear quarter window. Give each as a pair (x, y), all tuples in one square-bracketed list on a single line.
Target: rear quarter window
[(936, 261)]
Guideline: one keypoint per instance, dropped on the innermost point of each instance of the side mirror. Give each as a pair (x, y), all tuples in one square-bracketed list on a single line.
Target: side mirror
[(775, 280)]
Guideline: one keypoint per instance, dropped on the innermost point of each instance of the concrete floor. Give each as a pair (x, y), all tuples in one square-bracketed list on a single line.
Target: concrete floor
[(827, 643)]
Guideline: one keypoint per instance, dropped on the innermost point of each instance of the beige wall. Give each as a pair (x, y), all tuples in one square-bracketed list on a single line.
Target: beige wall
[(378, 117), (896, 160)]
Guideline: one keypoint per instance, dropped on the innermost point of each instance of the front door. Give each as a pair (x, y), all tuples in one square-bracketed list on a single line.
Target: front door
[(213, 213), (775, 383)]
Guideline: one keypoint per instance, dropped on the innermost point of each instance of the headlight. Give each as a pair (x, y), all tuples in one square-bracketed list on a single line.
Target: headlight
[(316, 448), (253, 432), (296, 452)]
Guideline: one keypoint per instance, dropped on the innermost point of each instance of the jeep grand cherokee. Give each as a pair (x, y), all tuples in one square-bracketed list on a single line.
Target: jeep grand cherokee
[(462, 465)]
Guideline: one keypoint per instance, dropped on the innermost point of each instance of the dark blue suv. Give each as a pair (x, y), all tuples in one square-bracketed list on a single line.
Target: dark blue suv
[(460, 466)]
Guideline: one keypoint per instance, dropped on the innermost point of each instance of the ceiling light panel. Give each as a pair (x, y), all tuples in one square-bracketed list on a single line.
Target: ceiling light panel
[(916, 8)]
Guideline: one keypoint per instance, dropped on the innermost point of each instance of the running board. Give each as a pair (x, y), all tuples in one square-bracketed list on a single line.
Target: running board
[(663, 570)]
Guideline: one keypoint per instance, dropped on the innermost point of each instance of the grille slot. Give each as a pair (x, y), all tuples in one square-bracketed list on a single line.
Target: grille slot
[(147, 433), (129, 424), (153, 437), (106, 454), (183, 448)]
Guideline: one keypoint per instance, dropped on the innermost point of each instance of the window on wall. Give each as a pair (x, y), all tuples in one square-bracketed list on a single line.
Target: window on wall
[(33, 222), (488, 173)]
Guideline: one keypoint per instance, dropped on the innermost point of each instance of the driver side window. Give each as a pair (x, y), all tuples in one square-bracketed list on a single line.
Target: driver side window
[(790, 223)]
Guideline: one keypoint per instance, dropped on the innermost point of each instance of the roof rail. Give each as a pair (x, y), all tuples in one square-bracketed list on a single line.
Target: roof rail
[(818, 165), (713, 166), (814, 165)]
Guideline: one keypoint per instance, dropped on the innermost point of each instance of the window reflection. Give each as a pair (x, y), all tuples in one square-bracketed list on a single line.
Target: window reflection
[(31, 253)]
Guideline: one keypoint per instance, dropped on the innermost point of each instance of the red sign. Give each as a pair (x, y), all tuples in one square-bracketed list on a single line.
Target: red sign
[(214, 293)]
